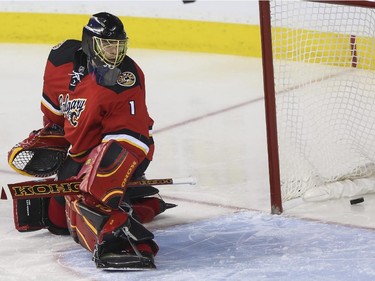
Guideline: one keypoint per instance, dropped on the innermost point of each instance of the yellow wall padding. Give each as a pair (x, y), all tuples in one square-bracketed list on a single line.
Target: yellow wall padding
[(150, 33)]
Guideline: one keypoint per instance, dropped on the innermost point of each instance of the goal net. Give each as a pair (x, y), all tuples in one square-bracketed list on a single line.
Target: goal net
[(323, 60)]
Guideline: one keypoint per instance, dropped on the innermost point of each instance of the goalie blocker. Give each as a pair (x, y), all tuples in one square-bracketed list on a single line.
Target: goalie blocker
[(41, 154)]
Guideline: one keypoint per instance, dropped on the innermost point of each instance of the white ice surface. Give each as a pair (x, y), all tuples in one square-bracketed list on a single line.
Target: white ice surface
[(209, 123)]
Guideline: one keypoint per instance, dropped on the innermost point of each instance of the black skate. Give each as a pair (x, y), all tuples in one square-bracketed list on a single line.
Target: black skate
[(123, 260), (111, 255)]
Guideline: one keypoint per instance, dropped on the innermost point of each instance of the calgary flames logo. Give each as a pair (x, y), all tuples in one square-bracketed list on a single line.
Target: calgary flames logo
[(72, 109)]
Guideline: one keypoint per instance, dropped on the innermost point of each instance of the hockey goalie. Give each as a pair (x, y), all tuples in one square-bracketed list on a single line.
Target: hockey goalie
[(96, 128)]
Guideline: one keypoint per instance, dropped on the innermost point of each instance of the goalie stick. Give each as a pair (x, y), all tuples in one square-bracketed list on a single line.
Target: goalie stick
[(51, 188)]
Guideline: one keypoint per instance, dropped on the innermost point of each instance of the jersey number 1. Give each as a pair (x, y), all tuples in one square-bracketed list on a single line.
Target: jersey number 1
[(132, 107)]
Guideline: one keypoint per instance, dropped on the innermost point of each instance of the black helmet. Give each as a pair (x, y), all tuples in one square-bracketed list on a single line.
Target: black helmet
[(105, 43), (104, 39)]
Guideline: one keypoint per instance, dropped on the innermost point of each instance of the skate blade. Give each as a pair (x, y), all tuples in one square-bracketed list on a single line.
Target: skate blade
[(126, 269), (126, 266)]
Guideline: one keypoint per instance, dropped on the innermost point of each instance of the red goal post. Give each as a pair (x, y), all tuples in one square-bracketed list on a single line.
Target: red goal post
[(319, 88)]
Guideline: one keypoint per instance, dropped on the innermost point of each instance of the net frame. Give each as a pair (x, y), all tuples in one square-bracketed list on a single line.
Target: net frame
[(270, 91)]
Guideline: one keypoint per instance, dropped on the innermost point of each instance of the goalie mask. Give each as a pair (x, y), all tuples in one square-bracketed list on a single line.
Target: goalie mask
[(41, 154), (105, 43)]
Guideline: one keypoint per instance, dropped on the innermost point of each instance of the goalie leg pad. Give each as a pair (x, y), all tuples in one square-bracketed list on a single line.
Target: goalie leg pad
[(146, 209), (106, 173), (116, 240), (82, 230), (71, 215), (93, 225)]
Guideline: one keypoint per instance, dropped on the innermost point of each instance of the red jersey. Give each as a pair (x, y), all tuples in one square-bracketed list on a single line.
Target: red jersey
[(91, 113)]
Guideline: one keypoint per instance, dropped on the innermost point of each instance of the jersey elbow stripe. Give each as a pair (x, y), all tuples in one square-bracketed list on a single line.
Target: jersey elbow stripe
[(51, 107), (128, 139)]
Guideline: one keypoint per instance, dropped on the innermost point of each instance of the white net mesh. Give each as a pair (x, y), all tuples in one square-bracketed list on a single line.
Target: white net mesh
[(324, 62)]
